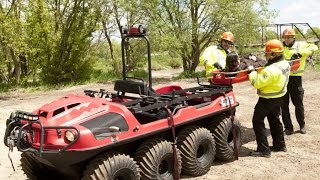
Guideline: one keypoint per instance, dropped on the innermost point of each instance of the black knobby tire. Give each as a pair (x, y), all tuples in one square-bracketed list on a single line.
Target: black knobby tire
[(113, 166), (35, 170), (155, 159), (197, 148), (222, 130), (29, 166)]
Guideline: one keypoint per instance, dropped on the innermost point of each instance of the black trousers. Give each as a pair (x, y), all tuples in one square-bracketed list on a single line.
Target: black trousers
[(295, 92), (269, 108)]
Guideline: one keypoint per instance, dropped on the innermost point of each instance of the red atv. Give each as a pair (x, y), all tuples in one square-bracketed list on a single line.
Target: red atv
[(133, 132)]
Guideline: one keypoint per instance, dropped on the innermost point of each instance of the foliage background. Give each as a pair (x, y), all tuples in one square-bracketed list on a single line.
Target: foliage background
[(50, 42)]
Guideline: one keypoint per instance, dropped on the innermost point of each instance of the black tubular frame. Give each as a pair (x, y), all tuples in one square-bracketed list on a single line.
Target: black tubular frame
[(125, 39), (42, 132), (293, 25), (174, 97)]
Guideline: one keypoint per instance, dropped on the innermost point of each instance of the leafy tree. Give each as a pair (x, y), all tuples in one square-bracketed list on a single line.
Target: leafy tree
[(11, 41), (189, 26), (72, 27), (40, 36), (48, 39), (110, 23), (52, 40), (313, 35), (117, 14)]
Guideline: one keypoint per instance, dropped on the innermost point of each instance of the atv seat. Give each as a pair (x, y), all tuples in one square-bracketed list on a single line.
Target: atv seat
[(130, 86)]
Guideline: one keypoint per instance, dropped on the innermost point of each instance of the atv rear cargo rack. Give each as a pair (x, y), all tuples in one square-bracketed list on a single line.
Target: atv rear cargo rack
[(176, 97)]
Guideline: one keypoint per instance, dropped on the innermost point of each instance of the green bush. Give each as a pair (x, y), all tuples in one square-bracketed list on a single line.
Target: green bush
[(60, 72), (103, 75), (155, 66), (188, 74), (4, 87), (139, 74), (175, 63), (164, 61)]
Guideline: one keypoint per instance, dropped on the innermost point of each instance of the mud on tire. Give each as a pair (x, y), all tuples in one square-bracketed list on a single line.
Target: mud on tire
[(221, 128), (155, 159), (197, 148), (112, 166)]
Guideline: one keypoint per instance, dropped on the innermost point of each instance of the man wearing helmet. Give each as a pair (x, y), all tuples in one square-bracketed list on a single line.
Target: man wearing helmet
[(214, 57), (295, 50), (271, 84)]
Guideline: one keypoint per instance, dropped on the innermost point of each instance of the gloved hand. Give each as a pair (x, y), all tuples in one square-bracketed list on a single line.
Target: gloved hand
[(295, 56), (217, 65), (252, 57), (250, 69)]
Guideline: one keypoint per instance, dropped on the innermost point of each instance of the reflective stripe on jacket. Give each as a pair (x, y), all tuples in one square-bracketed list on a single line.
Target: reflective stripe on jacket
[(303, 48), (271, 82), (211, 55)]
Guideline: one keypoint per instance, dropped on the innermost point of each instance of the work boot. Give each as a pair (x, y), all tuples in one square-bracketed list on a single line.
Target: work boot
[(260, 154), (288, 132), (302, 130), (278, 149)]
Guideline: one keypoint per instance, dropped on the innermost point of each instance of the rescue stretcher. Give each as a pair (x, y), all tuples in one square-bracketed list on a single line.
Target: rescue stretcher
[(228, 78)]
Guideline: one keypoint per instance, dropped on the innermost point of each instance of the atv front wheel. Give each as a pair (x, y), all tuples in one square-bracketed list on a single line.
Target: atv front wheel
[(112, 166), (222, 131), (36, 170), (198, 150), (155, 159)]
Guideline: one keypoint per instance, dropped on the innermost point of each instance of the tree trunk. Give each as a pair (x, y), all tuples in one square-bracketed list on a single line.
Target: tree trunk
[(4, 77), (24, 65), (5, 55), (190, 62), (184, 63), (114, 63), (17, 66), (195, 60), (195, 50), (190, 55)]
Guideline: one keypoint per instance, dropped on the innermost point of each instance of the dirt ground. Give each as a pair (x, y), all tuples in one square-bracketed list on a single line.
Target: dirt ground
[(301, 161)]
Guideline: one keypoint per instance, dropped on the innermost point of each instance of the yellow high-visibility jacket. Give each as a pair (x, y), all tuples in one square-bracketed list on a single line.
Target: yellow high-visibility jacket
[(304, 49), (271, 81), (211, 55)]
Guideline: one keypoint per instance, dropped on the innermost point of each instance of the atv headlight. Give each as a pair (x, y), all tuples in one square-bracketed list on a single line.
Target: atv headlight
[(69, 135), (26, 116)]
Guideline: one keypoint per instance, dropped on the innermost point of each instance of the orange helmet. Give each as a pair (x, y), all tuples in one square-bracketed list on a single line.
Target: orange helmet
[(228, 36), (288, 32), (273, 46)]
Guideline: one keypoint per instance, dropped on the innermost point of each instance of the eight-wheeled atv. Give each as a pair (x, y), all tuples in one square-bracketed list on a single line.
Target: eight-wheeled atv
[(131, 132)]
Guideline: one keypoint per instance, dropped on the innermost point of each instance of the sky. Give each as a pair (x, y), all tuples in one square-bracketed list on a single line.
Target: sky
[(297, 11)]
